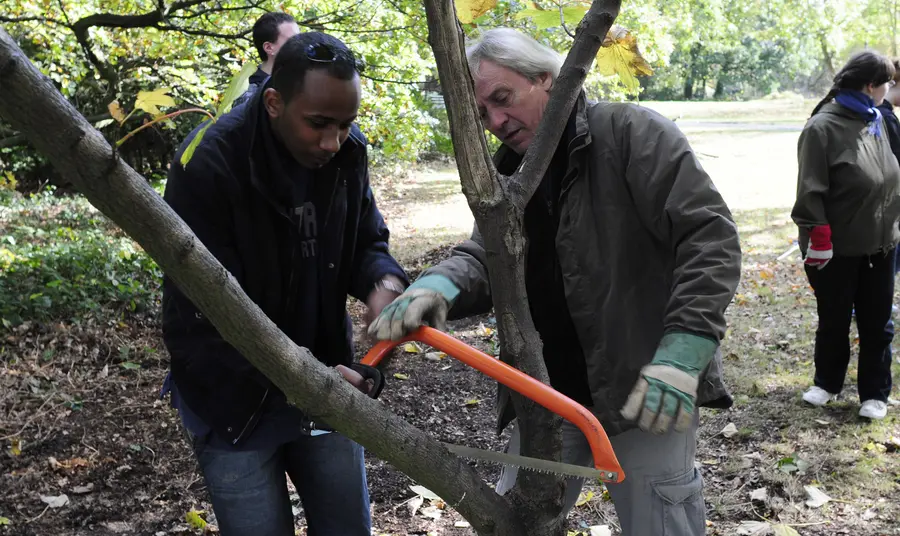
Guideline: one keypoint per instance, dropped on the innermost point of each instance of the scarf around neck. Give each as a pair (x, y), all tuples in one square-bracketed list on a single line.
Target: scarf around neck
[(863, 106)]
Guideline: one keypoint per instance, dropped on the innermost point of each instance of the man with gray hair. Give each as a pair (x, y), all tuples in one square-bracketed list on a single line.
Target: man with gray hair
[(632, 259)]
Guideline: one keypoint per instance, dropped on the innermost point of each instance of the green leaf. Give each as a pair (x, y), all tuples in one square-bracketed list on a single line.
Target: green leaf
[(784, 530), (236, 88), (573, 15), (542, 18), (189, 150), (401, 376), (549, 18), (128, 365), (149, 101), (422, 491), (194, 520), (5, 521)]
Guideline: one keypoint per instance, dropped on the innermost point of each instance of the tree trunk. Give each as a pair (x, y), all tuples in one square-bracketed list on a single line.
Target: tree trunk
[(827, 56), (498, 204), (30, 103), (894, 6)]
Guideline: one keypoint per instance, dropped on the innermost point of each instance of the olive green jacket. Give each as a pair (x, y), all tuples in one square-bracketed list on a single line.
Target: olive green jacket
[(646, 246), (848, 179)]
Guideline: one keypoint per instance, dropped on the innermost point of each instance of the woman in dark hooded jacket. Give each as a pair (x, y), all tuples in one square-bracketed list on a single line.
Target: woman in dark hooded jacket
[(847, 210)]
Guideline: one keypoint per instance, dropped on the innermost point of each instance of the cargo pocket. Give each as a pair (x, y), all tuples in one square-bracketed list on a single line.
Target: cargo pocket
[(683, 510)]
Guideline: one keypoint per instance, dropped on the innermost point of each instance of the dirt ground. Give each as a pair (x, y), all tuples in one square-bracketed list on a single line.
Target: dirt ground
[(79, 423)]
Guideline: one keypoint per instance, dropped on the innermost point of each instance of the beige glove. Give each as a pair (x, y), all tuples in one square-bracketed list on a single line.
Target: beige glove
[(410, 311), (425, 302)]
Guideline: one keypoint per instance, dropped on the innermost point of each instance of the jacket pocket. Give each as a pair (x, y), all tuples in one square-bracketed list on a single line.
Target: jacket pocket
[(683, 509)]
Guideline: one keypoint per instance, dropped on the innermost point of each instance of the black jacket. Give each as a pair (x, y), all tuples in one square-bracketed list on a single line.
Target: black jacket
[(257, 80), (893, 126), (232, 196)]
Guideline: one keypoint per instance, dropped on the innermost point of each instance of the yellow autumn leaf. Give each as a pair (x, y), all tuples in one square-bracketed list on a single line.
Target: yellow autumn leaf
[(584, 498), (15, 447), (115, 110), (469, 10), (412, 348), (401, 376), (619, 55), (150, 101)]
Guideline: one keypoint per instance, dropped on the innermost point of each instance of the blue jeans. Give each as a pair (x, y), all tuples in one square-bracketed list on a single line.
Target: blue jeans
[(249, 492)]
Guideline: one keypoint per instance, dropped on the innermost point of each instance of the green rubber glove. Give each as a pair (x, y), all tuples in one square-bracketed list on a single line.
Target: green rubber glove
[(425, 302), (667, 388)]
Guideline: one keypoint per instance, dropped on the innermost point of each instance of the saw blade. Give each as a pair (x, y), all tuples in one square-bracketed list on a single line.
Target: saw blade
[(532, 464)]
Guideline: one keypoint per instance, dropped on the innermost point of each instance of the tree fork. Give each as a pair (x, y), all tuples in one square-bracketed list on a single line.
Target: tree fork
[(498, 204)]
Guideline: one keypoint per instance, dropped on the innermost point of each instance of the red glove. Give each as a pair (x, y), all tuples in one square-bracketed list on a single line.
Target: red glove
[(819, 252)]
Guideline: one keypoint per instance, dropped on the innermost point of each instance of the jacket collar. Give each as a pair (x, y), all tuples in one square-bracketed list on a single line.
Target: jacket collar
[(834, 108)]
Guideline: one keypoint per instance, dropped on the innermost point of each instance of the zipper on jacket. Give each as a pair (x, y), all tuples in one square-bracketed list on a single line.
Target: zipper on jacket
[(337, 179), (253, 417)]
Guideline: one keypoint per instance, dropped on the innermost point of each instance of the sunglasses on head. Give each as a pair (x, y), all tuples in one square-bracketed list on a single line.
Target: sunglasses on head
[(322, 53)]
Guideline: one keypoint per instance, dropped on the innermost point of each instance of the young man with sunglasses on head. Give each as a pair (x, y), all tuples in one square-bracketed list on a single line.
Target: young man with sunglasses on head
[(278, 190)]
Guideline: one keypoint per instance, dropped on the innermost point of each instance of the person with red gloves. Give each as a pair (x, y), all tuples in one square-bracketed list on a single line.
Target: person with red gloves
[(848, 204)]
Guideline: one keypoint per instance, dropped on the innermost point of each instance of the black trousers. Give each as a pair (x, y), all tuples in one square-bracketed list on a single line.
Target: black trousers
[(866, 283)]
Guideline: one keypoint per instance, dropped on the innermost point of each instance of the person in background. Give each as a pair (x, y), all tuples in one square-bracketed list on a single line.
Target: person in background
[(847, 207), (632, 259), (278, 190), (891, 100), (269, 33)]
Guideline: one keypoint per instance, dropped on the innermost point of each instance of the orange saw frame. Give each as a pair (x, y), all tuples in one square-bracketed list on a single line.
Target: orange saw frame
[(604, 458)]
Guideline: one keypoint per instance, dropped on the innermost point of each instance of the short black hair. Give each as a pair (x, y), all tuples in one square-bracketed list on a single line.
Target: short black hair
[(299, 55), (265, 30)]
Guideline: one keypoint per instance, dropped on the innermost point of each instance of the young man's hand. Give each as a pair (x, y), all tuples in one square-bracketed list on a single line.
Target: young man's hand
[(356, 379)]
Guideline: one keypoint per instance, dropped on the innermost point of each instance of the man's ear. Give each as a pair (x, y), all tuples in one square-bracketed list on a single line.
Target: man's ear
[(545, 81), (273, 102)]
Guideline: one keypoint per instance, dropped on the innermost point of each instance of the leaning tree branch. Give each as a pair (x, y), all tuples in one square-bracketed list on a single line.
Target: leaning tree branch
[(31, 19), (32, 105), (369, 31), (476, 170), (202, 12), (399, 82), (202, 33)]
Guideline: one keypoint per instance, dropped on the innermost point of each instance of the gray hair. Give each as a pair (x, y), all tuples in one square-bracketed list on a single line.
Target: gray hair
[(516, 51)]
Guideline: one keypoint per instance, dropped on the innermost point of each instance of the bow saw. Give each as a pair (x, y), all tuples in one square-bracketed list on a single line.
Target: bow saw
[(606, 465)]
